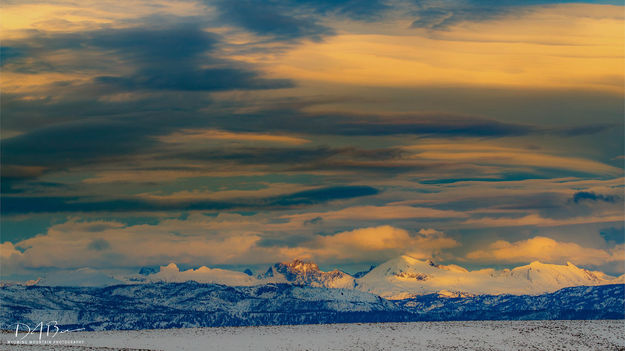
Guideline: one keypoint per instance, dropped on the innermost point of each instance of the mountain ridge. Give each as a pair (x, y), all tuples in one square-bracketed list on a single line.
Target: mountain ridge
[(398, 278), (192, 304)]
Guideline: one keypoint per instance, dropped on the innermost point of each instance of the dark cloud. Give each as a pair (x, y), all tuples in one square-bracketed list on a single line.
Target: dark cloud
[(374, 125), (75, 143), (585, 129), (170, 57), (7, 53), (354, 9), (295, 19), (613, 234), (73, 125), (310, 197), (201, 80), (581, 196), (99, 245), (290, 155), (283, 241), (545, 202), (502, 177), (80, 104), (117, 132), (442, 18), (23, 205), (444, 14), (316, 220), (184, 41), (273, 19), (174, 59), (301, 159)]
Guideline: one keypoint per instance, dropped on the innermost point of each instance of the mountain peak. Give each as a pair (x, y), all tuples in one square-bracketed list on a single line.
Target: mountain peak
[(408, 258), (308, 273), (405, 275), (298, 265), (571, 264)]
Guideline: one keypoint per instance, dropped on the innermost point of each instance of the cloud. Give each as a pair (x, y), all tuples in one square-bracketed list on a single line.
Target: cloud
[(613, 234), (545, 250), (196, 240), (375, 213), (176, 56), (273, 19), (206, 240), (99, 245), (444, 17), (10, 259), (189, 135), (50, 204), (7, 53), (185, 79), (173, 59), (302, 159), (267, 190), (362, 124), (292, 20), (477, 54), (539, 221), (581, 196), (7, 249), (355, 9), (493, 154), (375, 244), (440, 15), (324, 195), (74, 143)]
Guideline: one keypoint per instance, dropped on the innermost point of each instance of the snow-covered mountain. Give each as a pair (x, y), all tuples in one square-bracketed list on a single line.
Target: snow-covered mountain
[(306, 273), (399, 278), (297, 272), (405, 276), (171, 273)]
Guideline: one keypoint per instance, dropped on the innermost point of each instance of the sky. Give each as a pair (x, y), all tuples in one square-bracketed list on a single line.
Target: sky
[(240, 133)]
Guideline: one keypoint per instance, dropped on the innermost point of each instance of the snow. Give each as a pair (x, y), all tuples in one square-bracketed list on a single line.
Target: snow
[(481, 335), (171, 273), (405, 276), (399, 278), (306, 273)]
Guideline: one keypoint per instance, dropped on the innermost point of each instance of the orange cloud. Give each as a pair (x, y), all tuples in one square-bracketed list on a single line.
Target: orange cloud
[(374, 243), (492, 154), (560, 46), (188, 135), (202, 240), (378, 213), (269, 190), (545, 250), (536, 220)]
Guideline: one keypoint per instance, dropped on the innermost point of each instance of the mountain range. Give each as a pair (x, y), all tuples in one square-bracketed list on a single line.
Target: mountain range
[(298, 292), (399, 278)]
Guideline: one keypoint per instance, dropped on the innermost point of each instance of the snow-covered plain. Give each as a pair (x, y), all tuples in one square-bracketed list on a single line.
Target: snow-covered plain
[(481, 335)]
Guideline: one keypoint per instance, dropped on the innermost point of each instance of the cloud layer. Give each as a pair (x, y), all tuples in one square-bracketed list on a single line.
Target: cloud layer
[(240, 132)]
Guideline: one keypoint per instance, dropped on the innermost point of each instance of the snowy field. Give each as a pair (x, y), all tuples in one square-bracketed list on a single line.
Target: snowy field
[(486, 335)]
